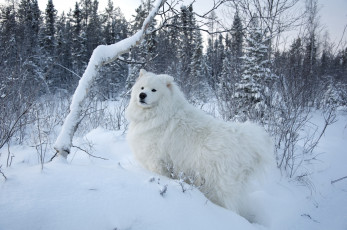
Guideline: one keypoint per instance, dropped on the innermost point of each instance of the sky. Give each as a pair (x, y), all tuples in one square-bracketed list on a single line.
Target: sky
[(334, 18), (333, 12)]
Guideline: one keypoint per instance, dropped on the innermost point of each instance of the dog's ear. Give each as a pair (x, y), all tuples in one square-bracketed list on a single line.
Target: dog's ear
[(168, 80), (142, 72)]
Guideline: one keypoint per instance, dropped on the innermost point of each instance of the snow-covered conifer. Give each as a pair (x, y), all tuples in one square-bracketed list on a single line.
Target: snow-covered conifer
[(250, 91)]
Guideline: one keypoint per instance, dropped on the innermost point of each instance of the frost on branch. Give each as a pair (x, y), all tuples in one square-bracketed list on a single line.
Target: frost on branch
[(101, 55)]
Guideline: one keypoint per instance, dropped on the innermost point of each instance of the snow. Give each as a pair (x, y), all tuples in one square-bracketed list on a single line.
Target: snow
[(91, 193)]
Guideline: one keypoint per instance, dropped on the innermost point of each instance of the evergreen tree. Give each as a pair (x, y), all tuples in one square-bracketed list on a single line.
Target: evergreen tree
[(114, 74), (310, 63), (186, 47), (215, 56), (29, 21), (310, 58), (93, 28), (49, 28), (237, 36), (225, 86), (219, 57), (163, 56), (230, 72), (8, 39), (340, 66), (197, 81), (209, 63), (250, 91), (64, 40), (146, 51), (78, 49), (173, 47), (48, 44), (294, 70), (326, 59)]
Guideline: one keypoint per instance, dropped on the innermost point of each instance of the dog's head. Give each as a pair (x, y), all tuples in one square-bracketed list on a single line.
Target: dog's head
[(150, 89)]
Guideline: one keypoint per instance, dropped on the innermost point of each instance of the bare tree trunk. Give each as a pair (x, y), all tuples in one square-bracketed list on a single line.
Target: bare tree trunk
[(101, 55)]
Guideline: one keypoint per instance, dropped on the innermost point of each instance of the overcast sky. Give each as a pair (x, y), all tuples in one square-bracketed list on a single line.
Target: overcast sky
[(333, 12)]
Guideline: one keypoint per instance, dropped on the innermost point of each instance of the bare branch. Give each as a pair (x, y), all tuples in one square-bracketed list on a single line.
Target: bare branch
[(175, 13), (215, 6), (2, 173), (75, 74), (337, 180), (77, 147), (343, 34)]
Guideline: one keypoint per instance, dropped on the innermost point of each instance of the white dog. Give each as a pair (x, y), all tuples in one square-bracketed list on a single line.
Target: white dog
[(167, 134)]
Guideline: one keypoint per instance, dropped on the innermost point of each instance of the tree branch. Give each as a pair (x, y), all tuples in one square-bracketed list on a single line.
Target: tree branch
[(102, 55), (2, 173), (74, 146), (337, 180)]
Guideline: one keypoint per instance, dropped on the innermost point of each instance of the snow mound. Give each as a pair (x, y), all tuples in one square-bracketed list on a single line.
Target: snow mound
[(91, 193)]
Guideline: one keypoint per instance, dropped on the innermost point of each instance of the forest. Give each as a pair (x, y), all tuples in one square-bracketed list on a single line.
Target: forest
[(239, 70)]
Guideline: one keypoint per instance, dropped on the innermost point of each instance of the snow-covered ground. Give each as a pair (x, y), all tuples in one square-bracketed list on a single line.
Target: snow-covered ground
[(91, 193)]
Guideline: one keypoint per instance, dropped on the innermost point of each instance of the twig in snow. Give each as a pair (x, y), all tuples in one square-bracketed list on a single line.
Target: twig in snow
[(309, 217), (337, 180), (2, 173), (89, 153), (163, 190)]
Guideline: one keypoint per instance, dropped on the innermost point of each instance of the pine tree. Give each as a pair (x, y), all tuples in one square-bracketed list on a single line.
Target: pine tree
[(310, 58), (237, 36), (197, 80), (209, 70), (109, 28), (186, 47), (231, 67), (93, 28), (146, 51), (8, 39), (114, 28), (225, 86), (310, 65), (29, 24), (174, 43), (215, 56), (64, 40), (29, 20), (78, 49), (219, 57), (224, 76), (294, 69), (256, 73), (49, 28), (48, 44)]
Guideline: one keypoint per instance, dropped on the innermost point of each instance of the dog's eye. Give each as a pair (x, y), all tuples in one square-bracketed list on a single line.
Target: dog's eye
[(154, 90), (142, 88)]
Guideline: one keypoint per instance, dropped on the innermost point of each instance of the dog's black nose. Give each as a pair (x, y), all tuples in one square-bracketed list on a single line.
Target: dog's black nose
[(142, 96)]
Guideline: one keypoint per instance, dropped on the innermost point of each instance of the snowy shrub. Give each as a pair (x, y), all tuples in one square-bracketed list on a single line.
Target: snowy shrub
[(37, 124), (105, 114), (289, 121), (187, 181)]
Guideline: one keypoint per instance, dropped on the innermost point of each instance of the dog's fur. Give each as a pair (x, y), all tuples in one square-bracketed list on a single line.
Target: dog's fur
[(165, 130)]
